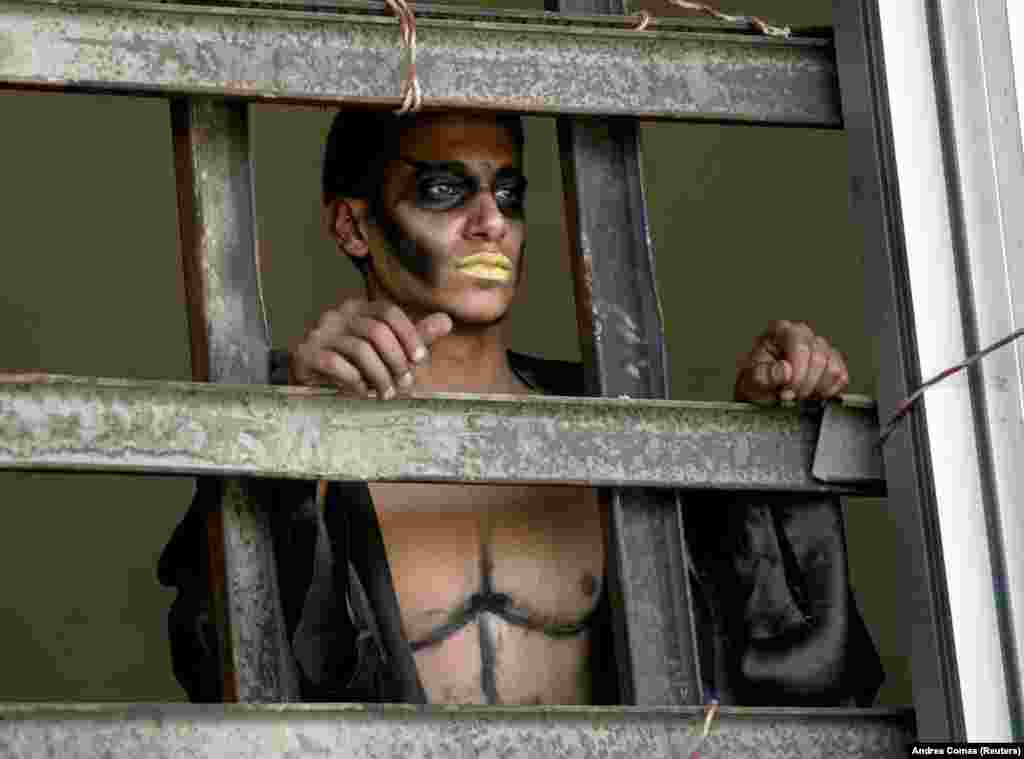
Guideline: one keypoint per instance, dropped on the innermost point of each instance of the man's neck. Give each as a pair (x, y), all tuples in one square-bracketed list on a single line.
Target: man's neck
[(472, 358), (469, 360)]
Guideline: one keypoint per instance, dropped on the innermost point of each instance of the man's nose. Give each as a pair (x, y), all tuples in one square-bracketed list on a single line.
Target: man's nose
[(486, 220)]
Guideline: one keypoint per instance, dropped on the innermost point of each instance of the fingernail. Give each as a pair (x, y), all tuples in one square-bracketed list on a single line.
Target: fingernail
[(787, 395), (406, 380), (420, 354), (389, 393)]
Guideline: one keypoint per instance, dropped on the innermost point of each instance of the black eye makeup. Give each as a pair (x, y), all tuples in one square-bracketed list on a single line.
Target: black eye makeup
[(446, 185), (510, 190), (442, 192)]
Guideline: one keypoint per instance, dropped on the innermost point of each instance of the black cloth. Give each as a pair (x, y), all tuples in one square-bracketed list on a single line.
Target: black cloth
[(777, 620)]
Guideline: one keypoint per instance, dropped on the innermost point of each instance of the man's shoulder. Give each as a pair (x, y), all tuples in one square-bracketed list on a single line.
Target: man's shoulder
[(552, 376)]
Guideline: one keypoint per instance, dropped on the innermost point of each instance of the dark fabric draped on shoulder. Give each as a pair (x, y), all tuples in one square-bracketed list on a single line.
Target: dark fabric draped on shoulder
[(783, 627)]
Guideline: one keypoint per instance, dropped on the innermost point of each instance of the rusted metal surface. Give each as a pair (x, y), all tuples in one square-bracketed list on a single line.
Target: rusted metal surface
[(533, 64), (259, 667), (230, 343), (163, 731), (179, 427), (623, 346), (227, 323)]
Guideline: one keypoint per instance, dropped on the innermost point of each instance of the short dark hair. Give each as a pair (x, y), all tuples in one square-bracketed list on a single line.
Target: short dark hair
[(356, 173)]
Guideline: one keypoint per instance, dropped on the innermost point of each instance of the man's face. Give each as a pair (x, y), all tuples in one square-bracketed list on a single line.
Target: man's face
[(450, 227)]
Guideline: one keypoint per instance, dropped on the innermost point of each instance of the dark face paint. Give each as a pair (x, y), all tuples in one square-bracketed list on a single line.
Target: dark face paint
[(442, 186), (446, 185), (406, 252)]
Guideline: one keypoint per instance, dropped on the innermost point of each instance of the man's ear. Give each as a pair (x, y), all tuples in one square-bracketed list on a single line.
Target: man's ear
[(346, 224)]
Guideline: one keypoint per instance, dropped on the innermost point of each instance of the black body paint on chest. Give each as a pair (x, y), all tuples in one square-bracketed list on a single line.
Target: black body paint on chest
[(500, 605), (488, 652)]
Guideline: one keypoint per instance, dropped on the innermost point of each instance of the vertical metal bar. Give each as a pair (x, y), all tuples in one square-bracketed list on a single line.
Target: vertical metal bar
[(230, 343), (622, 341), (876, 205)]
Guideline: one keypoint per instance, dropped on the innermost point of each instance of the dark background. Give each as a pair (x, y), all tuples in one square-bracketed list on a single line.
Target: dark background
[(750, 224)]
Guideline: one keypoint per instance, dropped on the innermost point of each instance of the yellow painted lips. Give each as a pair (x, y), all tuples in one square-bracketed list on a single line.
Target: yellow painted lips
[(493, 266)]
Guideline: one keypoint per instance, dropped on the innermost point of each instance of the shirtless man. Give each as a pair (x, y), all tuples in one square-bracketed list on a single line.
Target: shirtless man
[(496, 586), (439, 236)]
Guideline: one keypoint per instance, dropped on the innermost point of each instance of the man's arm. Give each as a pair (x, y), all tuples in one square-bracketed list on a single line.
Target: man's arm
[(833, 656)]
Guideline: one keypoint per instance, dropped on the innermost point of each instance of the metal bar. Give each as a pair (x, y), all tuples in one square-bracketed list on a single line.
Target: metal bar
[(77, 423), (162, 731), (623, 346), (230, 343), (847, 446), (878, 193), (467, 13), (227, 323), (544, 65)]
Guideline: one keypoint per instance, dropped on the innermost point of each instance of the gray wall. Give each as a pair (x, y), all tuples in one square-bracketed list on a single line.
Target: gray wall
[(750, 225)]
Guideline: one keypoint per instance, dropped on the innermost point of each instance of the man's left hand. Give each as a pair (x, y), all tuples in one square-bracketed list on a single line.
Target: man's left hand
[(790, 362)]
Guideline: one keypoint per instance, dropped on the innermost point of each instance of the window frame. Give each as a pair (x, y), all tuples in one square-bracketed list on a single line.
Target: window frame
[(936, 160)]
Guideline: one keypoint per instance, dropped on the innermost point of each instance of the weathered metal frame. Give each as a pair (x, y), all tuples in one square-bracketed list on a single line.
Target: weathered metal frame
[(230, 342), (623, 347), (134, 49), (80, 424), (984, 152), (875, 200), (538, 63), (927, 103), (255, 732)]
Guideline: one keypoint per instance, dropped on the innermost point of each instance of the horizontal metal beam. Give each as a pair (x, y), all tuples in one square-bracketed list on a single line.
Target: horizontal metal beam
[(353, 730), (539, 63), (77, 423)]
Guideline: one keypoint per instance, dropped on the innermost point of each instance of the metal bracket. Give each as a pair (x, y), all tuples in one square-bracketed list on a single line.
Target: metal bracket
[(847, 450)]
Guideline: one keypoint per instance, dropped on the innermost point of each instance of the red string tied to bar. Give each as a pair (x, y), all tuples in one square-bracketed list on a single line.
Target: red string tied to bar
[(908, 403), (412, 94)]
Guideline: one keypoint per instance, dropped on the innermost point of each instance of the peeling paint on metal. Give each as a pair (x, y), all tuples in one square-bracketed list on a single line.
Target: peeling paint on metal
[(77, 423), (230, 344), (540, 66), (399, 732)]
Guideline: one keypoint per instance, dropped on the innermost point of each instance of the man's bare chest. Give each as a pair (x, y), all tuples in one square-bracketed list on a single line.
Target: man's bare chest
[(496, 586), (541, 547)]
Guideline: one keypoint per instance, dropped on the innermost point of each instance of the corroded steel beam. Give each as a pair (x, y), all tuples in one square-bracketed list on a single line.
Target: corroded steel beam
[(352, 730), (536, 62), (52, 421), (623, 344), (230, 344)]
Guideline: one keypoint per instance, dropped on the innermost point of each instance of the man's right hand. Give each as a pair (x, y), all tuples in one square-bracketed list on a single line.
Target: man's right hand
[(363, 346)]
